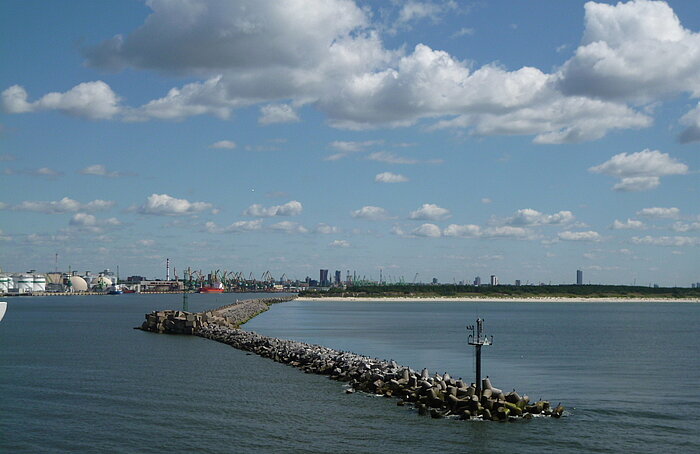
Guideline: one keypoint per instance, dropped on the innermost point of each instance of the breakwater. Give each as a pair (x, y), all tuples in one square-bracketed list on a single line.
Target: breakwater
[(435, 395)]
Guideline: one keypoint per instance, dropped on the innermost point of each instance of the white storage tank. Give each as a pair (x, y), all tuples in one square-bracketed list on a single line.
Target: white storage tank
[(24, 283), (5, 283), (39, 283), (101, 282), (78, 284)]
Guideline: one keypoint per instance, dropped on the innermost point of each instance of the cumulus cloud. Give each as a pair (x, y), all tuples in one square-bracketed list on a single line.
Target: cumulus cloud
[(691, 121), (660, 212), (631, 54), (430, 212), (225, 144), (635, 51), (291, 208), (630, 224), (326, 229), (390, 158), (685, 227), (641, 170), (464, 231), (388, 177), (93, 100), (589, 235), (165, 205), (371, 213), (277, 113), (675, 241), (65, 205), (427, 230), (89, 222), (530, 217), (339, 243)]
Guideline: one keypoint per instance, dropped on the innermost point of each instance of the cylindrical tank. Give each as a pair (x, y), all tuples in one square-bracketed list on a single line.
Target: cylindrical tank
[(78, 284), (5, 283), (24, 283), (39, 283)]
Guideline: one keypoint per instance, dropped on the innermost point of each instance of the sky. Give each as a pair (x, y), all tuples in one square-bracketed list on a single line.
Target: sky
[(422, 139)]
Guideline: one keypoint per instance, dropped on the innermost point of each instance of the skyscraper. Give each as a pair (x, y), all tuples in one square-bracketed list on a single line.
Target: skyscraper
[(579, 277), (494, 279), (323, 278), (337, 277), (477, 281)]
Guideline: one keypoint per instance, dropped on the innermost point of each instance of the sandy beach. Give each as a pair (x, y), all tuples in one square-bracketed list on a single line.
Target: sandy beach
[(505, 300)]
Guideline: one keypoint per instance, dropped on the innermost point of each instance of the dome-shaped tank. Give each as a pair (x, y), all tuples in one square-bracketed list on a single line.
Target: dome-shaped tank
[(101, 282), (78, 284), (24, 283), (5, 283), (39, 283)]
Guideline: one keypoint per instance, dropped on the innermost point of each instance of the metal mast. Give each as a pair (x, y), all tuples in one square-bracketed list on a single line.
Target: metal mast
[(477, 340)]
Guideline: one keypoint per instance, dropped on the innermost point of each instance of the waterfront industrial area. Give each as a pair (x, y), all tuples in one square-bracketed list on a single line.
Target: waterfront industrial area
[(73, 282)]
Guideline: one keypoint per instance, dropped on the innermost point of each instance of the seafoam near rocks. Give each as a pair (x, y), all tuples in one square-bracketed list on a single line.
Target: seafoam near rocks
[(435, 395)]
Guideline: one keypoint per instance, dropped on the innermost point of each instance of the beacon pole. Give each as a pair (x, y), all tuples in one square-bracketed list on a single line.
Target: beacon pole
[(478, 339)]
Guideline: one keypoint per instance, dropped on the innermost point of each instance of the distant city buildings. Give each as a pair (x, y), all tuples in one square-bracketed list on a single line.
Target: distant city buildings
[(494, 279), (323, 278), (517, 282), (477, 281), (579, 277), (337, 277)]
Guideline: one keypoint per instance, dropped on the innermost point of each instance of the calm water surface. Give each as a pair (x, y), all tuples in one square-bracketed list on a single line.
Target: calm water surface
[(75, 377)]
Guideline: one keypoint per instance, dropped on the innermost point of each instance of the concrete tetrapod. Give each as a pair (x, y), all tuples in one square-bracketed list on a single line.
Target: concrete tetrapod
[(438, 395)]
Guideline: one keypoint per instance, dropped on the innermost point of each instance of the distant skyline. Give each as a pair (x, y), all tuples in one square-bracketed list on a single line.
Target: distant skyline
[(451, 139)]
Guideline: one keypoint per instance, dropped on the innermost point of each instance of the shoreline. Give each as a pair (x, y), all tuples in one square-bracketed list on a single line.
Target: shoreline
[(544, 299)]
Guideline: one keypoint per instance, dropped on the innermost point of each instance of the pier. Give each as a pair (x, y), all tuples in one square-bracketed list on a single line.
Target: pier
[(435, 395)]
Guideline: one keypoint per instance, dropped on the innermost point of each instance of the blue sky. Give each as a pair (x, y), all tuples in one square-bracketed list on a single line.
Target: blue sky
[(449, 139)]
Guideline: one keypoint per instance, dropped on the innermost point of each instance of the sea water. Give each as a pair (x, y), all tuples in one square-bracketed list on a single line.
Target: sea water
[(75, 377)]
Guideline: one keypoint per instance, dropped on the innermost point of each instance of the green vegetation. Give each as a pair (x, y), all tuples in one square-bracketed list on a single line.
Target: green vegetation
[(504, 291)]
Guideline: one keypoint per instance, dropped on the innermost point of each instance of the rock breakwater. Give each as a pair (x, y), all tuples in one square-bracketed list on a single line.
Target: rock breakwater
[(435, 395)]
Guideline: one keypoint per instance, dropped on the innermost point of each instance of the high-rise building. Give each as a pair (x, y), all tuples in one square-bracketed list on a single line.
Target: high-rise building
[(517, 282), (579, 277), (337, 277), (477, 281), (494, 279), (323, 278)]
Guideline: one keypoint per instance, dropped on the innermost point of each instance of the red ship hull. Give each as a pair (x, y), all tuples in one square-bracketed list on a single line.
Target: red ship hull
[(210, 290)]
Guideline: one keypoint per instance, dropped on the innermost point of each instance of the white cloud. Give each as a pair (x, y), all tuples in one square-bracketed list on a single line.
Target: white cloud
[(530, 217), (388, 177), (93, 100), (486, 200), (353, 147), (271, 52), (277, 113), (289, 227), (89, 222), (660, 212), (291, 208), (691, 121), (165, 205), (65, 205), (225, 144), (630, 224), (675, 241), (427, 230), (589, 235), (466, 231), (641, 170), (371, 213), (99, 170), (339, 243), (635, 51), (390, 158), (685, 227), (506, 231), (430, 212), (326, 229), (240, 226)]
